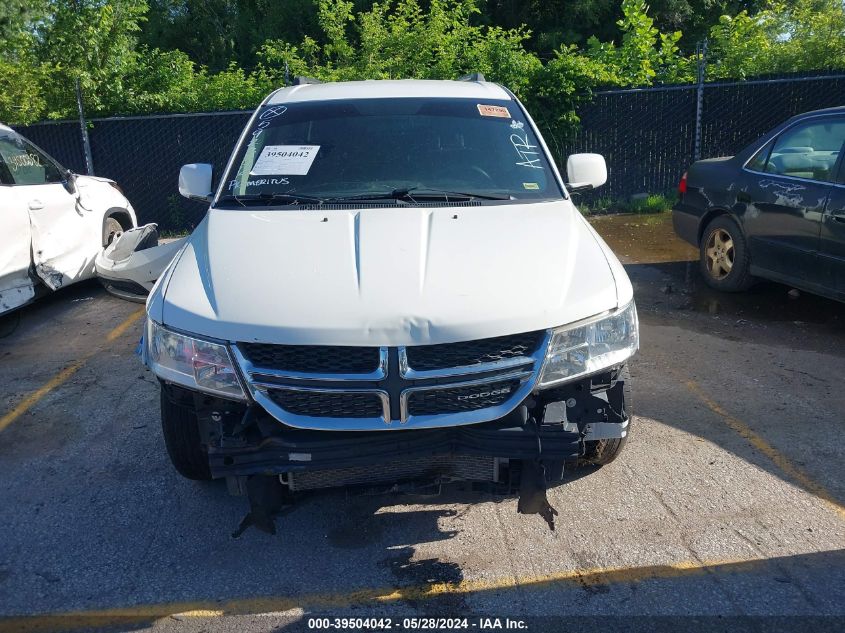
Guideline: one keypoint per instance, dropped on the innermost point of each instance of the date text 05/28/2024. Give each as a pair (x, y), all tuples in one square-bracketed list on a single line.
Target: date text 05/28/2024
[(417, 624)]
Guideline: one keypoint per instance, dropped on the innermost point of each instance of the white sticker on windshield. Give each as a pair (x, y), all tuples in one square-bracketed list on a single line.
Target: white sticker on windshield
[(285, 160)]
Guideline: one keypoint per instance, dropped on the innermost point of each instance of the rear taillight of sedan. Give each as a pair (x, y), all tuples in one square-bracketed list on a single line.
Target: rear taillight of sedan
[(682, 186)]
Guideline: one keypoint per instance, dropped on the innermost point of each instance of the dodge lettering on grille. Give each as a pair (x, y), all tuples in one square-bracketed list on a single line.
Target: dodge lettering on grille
[(485, 394)]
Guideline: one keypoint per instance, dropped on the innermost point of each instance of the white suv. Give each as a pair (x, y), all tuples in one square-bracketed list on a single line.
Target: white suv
[(54, 222), (391, 282)]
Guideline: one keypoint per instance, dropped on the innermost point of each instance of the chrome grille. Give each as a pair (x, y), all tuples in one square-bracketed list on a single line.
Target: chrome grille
[(468, 398), (365, 388), (469, 353), (328, 404), (314, 359)]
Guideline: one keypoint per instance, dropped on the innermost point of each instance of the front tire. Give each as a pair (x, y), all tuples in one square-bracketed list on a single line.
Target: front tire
[(723, 256), (182, 438)]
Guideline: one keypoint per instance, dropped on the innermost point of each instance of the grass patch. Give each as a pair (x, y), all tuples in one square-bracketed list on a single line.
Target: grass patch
[(173, 233), (653, 203)]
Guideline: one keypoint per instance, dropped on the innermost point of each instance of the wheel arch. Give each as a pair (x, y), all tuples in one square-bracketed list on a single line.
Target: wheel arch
[(122, 215), (711, 215)]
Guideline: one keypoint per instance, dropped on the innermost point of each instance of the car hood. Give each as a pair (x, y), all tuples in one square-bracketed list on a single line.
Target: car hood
[(387, 276)]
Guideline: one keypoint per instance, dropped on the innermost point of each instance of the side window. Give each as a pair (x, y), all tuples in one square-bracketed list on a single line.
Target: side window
[(26, 164), (758, 163), (808, 150)]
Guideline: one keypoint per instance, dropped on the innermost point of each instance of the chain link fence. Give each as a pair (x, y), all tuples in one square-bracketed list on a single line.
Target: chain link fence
[(648, 137)]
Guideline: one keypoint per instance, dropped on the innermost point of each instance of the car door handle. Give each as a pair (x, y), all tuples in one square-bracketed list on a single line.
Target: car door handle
[(838, 217), (34, 205)]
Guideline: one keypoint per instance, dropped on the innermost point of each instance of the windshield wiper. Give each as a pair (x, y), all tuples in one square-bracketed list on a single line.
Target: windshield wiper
[(246, 199), (412, 194)]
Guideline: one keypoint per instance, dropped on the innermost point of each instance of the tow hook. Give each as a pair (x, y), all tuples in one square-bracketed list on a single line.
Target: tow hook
[(532, 486)]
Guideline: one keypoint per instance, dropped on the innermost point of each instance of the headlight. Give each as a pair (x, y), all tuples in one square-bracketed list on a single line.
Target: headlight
[(590, 346), (191, 362)]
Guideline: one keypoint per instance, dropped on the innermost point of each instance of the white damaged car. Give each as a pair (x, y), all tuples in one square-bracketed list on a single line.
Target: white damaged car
[(55, 222), (392, 283)]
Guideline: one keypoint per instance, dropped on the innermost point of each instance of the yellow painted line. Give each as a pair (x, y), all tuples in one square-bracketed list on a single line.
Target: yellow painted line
[(62, 377), (118, 331), (252, 606), (779, 459), (39, 393)]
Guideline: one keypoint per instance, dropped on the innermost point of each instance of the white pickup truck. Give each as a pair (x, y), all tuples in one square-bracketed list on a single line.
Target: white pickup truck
[(392, 282)]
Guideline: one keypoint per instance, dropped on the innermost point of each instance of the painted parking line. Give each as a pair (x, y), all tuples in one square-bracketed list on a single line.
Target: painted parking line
[(780, 460), (600, 576), (62, 377)]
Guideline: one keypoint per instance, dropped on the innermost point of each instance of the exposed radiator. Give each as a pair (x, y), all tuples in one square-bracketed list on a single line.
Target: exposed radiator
[(460, 467)]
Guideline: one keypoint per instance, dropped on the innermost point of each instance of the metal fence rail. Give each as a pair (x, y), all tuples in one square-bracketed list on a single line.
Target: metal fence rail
[(648, 137)]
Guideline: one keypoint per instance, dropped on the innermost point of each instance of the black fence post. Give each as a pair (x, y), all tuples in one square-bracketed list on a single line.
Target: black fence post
[(86, 142), (701, 55)]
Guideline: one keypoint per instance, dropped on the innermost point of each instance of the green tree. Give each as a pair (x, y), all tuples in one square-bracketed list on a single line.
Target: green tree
[(399, 39), (645, 55), (807, 35), (93, 41), (215, 33), (22, 74), (235, 51), (15, 15)]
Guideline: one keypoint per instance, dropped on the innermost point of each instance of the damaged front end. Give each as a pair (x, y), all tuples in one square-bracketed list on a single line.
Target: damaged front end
[(512, 411), (129, 266), (523, 452)]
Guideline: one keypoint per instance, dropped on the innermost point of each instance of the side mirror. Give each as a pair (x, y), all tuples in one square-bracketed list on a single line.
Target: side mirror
[(69, 182), (585, 172), (195, 181)]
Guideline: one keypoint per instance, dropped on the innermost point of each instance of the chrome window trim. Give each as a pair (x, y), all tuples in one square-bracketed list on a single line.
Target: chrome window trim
[(252, 370), (822, 183)]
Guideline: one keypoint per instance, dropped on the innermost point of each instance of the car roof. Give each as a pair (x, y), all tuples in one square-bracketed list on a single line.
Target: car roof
[(752, 148), (5, 128), (384, 88), (834, 110)]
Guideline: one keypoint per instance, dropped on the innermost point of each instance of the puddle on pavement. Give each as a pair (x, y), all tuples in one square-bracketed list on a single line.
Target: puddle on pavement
[(766, 302), (664, 271), (643, 239)]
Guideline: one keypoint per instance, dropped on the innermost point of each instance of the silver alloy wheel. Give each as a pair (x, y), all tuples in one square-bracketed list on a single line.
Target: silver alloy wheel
[(720, 254)]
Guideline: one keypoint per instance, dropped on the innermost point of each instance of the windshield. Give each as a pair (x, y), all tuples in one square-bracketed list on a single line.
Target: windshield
[(408, 149)]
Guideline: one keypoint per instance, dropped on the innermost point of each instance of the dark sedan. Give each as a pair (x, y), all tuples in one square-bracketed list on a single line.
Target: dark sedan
[(775, 210)]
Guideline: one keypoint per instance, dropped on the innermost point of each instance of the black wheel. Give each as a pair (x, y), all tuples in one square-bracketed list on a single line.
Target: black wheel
[(601, 452), (723, 256), (182, 438), (111, 227)]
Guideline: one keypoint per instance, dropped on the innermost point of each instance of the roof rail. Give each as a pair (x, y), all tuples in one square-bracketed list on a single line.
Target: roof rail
[(301, 81), (472, 77)]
